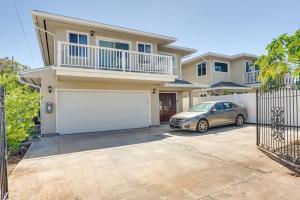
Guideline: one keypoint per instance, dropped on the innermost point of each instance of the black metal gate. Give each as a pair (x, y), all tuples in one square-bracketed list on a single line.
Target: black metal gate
[(3, 148), (278, 118)]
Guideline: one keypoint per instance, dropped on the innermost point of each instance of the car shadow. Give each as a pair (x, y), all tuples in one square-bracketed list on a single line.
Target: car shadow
[(211, 131)]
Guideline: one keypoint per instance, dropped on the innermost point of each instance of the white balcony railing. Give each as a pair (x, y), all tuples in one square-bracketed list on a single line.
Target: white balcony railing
[(87, 56), (251, 77)]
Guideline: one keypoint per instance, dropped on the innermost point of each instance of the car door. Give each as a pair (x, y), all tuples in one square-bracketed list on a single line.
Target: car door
[(229, 112), (217, 114)]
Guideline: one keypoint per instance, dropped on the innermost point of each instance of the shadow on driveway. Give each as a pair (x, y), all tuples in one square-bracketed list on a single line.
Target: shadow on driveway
[(64, 144)]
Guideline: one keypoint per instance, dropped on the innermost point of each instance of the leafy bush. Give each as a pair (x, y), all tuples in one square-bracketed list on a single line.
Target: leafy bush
[(21, 106), (283, 56)]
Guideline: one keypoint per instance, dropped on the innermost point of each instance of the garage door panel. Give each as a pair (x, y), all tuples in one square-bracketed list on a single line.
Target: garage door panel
[(89, 111)]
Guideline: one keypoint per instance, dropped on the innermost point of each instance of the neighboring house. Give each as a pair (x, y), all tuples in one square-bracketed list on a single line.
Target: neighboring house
[(100, 77), (223, 73)]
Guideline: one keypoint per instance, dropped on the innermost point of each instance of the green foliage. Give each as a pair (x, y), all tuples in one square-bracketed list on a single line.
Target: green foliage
[(21, 105), (283, 57)]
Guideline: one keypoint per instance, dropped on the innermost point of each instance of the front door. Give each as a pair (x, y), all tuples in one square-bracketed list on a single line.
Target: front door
[(167, 106)]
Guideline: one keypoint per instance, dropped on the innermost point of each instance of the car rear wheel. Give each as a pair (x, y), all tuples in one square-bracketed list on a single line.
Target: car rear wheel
[(202, 126), (239, 121)]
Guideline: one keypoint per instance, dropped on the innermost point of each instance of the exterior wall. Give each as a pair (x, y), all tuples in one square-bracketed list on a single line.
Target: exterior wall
[(236, 72), (48, 78), (221, 76), (61, 34), (190, 73)]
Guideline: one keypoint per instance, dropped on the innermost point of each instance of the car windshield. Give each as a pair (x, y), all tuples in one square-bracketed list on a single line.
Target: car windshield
[(202, 107)]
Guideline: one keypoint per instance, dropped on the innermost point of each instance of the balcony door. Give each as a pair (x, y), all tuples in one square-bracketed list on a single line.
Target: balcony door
[(167, 106), (109, 59)]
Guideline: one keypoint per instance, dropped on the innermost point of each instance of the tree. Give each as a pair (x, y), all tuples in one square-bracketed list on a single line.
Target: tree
[(21, 104), (283, 56)]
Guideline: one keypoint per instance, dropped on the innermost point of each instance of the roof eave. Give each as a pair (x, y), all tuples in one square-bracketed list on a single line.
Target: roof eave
[(166, 39)]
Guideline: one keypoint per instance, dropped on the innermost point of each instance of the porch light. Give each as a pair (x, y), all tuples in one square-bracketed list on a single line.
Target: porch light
[(49, 89), (154, 90), (92, 33)]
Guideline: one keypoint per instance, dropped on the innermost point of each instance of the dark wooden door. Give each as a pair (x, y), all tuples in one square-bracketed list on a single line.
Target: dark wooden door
[(167, 106)]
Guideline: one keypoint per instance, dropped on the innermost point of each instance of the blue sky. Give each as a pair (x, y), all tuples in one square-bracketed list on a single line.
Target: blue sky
[(227, 27)]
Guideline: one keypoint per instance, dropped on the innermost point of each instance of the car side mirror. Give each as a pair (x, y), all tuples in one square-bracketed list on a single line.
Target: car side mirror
[(213, 110)]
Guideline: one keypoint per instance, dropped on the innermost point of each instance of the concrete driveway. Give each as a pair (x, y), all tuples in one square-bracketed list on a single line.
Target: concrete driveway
[(152, 163)]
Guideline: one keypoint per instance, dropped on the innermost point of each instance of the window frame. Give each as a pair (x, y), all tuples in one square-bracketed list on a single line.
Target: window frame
[(113, 40), (78, 33), (246, 66), (205, 69), (228, 66), (144, 43)]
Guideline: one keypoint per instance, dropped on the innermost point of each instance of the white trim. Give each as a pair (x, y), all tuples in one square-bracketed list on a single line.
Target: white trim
[(189, 50), (228, 88), (175, 85), (220, 56), (34, 70), (100, 25), (113, 40), (205, 69), (100, 90), (219, 61), (144, 43)]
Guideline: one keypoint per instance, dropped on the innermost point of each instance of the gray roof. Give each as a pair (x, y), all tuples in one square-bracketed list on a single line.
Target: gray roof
[(179, 81), (226, 84)]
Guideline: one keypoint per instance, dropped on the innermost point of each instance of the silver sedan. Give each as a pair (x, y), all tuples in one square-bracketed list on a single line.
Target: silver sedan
[(209, 114)]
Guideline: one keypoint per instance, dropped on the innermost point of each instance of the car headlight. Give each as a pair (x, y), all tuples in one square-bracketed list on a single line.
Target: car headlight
[(187, 121)]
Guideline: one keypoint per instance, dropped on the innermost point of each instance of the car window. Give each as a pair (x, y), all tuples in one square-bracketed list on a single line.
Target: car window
[(219, 106), (228, 105)]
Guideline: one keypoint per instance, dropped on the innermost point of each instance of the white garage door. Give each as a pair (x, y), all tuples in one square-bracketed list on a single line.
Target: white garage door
[(88, 111)]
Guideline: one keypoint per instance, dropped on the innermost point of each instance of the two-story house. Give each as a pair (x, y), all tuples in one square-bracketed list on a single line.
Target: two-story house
[(223, 73), (100, 77)]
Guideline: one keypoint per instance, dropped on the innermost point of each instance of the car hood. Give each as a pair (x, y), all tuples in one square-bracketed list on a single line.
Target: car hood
[(187, 114)]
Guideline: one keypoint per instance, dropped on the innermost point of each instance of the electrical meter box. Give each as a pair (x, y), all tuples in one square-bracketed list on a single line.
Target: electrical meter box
[(49, 107)]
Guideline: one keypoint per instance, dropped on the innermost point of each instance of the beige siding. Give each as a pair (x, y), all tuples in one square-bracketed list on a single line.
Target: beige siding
[(48, 78), (190, 73), (236, 71), (61, 34)]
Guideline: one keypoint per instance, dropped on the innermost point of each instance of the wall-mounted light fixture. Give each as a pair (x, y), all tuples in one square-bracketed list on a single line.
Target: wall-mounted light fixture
[(92, 33), (49, 89), (154, 90)]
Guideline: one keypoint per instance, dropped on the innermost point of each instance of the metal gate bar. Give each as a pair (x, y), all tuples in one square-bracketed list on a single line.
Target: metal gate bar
[(277, 118)]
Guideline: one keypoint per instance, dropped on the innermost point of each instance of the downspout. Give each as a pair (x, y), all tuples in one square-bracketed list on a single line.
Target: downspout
[(40, 97)]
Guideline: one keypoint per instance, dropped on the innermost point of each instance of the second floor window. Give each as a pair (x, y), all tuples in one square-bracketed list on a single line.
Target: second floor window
[(221, 67), (145, 48), (77, 38), (250, 67), (201, 69)]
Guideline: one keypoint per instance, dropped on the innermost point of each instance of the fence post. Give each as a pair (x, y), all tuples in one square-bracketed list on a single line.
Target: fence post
[(3, 150), (257, 129)]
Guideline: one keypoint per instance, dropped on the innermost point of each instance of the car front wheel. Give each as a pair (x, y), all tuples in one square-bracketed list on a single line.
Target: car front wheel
[(202, 126), (239, 121)]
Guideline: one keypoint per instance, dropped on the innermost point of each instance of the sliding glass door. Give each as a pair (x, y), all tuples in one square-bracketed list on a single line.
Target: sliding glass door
[(110, 59)]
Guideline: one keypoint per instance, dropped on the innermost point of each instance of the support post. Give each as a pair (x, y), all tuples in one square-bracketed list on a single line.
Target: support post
[(190, 99)]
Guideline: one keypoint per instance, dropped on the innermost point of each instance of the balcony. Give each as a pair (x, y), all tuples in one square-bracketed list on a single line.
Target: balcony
[(109, 59), (251, 77)]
